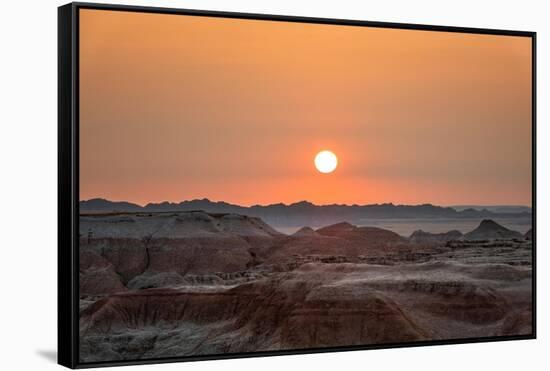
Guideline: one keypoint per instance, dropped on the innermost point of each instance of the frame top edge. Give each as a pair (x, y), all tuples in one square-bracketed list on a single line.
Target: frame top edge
[(302, 19)]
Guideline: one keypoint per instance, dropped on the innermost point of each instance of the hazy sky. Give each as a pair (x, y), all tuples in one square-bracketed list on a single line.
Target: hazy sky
[(180, 107)]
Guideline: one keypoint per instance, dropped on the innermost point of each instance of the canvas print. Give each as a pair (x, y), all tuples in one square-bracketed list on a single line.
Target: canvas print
[(251, 185)]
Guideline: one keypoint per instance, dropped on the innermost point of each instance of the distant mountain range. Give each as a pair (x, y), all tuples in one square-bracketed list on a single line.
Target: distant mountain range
[(501, 209), (305, 213)]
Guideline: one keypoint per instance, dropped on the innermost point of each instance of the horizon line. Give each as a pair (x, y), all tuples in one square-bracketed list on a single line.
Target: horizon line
[(304, 201)]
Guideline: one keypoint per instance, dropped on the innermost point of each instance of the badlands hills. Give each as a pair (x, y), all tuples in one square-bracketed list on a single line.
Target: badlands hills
[(160, 284)]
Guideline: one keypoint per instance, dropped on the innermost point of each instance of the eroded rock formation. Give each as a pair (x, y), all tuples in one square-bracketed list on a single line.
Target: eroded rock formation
[(177, 284)]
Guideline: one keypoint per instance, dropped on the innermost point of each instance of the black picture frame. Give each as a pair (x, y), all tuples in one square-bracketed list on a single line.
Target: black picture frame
[(68, 177)]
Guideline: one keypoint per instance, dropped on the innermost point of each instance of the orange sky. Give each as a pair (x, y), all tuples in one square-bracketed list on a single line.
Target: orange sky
[(181, 107)]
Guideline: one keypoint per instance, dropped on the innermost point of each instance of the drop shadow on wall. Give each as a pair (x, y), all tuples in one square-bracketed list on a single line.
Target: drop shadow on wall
[(50, 355)]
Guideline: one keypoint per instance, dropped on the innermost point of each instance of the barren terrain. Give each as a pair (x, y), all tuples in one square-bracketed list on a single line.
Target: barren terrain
[(190, 283)]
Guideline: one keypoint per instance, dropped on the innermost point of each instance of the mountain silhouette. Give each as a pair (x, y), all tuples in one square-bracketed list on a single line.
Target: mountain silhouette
[(300, 213)]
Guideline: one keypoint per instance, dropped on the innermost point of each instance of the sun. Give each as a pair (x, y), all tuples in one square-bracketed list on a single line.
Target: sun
[(326, 162)]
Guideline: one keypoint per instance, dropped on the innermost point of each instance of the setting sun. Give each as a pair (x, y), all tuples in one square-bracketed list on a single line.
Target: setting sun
[(326, 162)]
